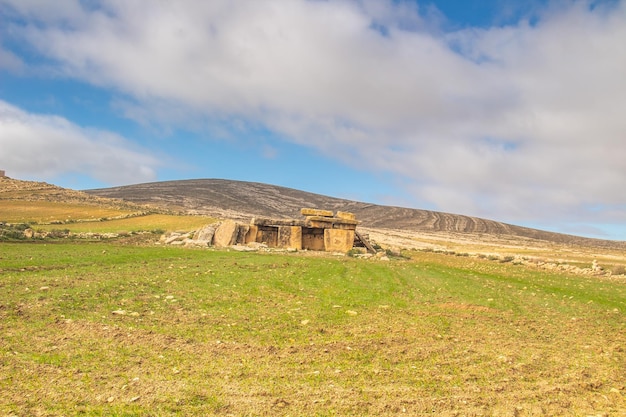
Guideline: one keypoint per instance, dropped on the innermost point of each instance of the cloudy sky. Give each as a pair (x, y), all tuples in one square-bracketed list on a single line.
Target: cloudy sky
[(503, 109)]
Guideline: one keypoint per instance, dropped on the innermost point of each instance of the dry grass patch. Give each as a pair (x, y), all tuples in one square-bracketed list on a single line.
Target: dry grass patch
[(149, 222), (46, 212)]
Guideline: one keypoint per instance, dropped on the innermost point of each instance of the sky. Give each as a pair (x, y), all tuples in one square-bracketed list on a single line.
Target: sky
[(502, 109)]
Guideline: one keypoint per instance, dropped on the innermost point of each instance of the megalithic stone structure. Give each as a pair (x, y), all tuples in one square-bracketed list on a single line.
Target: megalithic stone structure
[(320, 230)]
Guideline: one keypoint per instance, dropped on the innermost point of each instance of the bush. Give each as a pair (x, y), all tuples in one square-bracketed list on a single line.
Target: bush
[(21, 226), (13, 231), (58, 233), (10, 234)]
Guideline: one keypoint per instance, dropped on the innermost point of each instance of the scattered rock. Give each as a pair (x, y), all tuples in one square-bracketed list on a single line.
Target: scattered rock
[(244, 248), (174, 237), (206, 233)]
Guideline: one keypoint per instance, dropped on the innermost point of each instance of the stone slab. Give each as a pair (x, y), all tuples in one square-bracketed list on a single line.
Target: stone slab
[(345, 215), (226, 234), (338, 240), (316, 212), (290, 237)]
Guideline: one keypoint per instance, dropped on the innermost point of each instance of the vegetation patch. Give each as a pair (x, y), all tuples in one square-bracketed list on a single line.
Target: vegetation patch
[(107, 329)]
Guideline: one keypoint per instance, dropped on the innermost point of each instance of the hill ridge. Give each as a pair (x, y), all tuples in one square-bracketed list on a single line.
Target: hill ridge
[(245, 199)]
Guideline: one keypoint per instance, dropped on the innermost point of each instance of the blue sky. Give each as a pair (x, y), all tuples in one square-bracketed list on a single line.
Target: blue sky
[(501, 109)]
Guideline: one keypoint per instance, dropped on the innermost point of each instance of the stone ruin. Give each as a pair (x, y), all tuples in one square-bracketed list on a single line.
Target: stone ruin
[(2, 173), (320, 230)]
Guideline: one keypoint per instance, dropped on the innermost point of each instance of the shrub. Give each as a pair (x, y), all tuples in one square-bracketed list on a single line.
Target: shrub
[(58, 233)]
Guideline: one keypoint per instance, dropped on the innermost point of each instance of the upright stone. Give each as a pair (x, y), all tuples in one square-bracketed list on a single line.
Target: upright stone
[(338, 240), (251, 236), (242, 232), (226, 234), (290, 237)]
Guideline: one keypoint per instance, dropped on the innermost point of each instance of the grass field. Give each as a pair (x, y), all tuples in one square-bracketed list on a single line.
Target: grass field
[(85, 218), (103, 329), (149, 222), (46, 211)]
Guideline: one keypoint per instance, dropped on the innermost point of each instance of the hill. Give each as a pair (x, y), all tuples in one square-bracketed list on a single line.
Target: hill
[(239, 199), (35, 191)]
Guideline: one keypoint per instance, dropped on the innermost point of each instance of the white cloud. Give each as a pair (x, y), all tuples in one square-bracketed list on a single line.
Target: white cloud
[(48, 146), (510, 122)]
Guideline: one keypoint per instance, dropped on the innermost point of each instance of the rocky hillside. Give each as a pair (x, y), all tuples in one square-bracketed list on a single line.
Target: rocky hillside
[(19, 190), (240, 200)]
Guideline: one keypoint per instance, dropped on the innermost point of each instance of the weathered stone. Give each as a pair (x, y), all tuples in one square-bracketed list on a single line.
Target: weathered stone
[(268, 235), (345, 224), (206, 233), (196, 243), (174, 237), (257, 245), (319, 222), (338, 240), (312, 238), (242, 231), (253, 230), (316, 212), (275, 222), (226, 234), (330, 222), (29, 233), (346, 216), (242, 248), (290, 237)]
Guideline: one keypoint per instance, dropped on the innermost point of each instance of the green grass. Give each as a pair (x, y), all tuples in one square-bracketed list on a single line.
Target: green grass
[(105, 329)]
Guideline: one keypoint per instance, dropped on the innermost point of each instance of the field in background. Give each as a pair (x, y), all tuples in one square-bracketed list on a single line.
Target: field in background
[(149, 222), (105, 329), (84, 218), (46, 212)]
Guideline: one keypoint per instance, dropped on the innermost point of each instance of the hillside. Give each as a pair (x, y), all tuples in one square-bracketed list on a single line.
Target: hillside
[(238, 199), (34, 191)]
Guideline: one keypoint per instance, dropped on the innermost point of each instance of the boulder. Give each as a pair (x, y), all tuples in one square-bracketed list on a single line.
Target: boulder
[(226, 234), (206, 233)]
